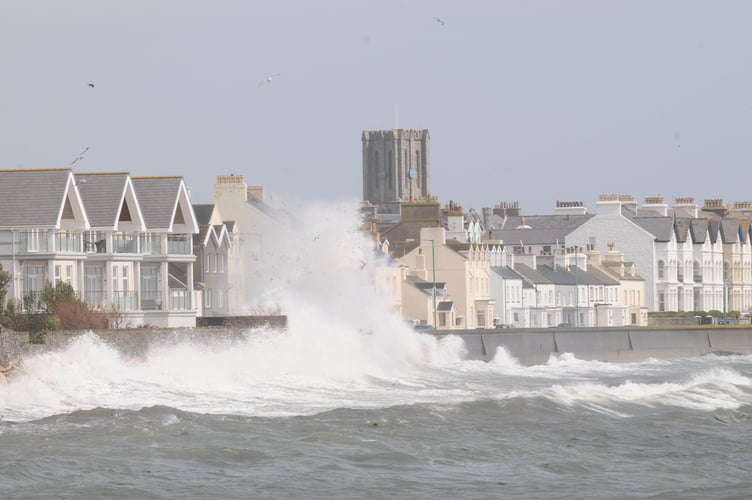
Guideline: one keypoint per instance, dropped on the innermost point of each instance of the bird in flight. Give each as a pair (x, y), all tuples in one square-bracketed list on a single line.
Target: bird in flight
[(80, 155), (439, 20), (91, 85), (268, 79)]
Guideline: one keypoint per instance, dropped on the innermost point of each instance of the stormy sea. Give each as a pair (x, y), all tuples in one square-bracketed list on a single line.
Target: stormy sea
[(349, 402)]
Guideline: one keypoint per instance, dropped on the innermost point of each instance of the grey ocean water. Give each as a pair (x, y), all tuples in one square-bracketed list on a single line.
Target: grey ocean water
[(88, 422), (348, 402)]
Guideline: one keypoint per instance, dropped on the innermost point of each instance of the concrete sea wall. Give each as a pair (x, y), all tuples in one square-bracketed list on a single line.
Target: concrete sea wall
[(535, 346), (529, 346)]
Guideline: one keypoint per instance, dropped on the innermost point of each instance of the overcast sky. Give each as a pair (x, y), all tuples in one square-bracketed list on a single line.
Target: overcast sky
[(528, 101)]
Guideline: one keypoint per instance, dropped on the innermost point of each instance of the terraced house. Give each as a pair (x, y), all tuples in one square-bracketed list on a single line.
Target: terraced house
[(123, 243)]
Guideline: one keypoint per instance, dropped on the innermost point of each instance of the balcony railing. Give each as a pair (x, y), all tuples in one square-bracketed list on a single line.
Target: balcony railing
[(178, 299), (151, 301), (96, 298), (125, 301), (180, 244), (125, 243), (32, 241), (67, 241), (150, 244)]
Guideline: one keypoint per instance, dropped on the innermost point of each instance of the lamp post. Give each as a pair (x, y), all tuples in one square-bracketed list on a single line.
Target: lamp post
[(433, 269), (576, 289), (725, 289)]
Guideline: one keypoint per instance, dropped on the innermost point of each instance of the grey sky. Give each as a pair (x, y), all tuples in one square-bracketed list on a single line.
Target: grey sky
[(525, 101)]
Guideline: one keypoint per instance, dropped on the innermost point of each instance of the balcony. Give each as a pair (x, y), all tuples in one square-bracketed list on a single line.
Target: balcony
[(67, 241), (178, 299), (32, 241), (125, 301), (124, 243), (179, 244)]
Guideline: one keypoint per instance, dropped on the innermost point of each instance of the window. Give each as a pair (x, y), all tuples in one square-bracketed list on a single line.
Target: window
[(33, 238), (697, 272), (58, 269), (220, 298), (661, 270), (481, 318), (125, 279), (516, 317), (207, 297), (661, 301)]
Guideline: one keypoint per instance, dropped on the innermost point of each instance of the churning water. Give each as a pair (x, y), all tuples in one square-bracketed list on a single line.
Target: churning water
[(350, 403)]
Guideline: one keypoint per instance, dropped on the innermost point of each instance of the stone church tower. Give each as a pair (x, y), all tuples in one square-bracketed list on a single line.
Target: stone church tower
[(396, 168)]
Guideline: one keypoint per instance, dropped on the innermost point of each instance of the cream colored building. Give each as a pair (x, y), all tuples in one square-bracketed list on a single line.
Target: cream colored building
[(466, 270)]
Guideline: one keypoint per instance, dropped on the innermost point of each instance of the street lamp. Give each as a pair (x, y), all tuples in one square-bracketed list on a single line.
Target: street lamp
[(576, 289), (433, 270)]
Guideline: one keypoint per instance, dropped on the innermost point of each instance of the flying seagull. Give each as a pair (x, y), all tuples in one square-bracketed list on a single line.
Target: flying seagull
[(91, 85), (268, 79), (439, 20), (80, 156)]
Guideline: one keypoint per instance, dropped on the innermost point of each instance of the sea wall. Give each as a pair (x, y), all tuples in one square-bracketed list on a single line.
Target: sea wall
[(130, 342), (535, 346), (529, 346)]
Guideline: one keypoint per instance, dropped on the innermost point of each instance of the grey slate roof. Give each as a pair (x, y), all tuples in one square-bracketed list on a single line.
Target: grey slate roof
[(203, 212), (445, 306), (102, 194), (506, 272), (32, 197), (531, 274), (659, 227), (157, 197), (538, 229), (699, 230), (729, 230)]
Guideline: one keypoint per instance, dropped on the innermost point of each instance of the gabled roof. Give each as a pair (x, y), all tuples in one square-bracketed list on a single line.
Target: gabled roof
[(109, 198), (37, 197), (164, 201), (729, 230), (659, 227), (203, 212), (698, 228), (681, 228)]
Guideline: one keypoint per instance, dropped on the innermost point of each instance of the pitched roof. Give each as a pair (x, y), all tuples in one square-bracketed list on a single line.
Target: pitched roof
[(157, 196), (699, 230), (203, 212), (538, 229), (531, 274), (506, 272), (32, 197), (659, 227), (102, 194)]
